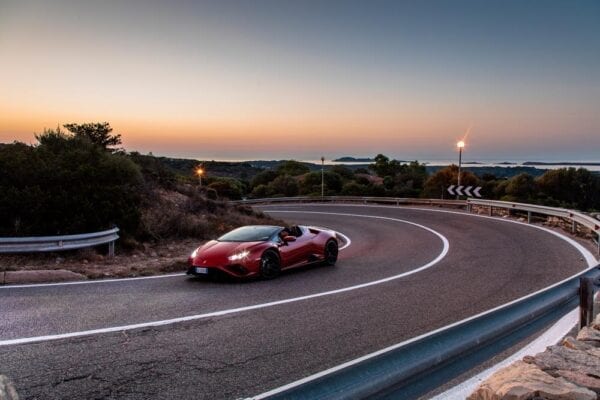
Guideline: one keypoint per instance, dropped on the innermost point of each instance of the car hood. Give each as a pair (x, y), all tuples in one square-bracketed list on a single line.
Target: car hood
[(215, 252)]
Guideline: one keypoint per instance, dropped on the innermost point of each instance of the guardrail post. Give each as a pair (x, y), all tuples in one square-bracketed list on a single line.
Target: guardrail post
[(111, 249), (573, 226), (586, 301), (491, 212), (528, 217)]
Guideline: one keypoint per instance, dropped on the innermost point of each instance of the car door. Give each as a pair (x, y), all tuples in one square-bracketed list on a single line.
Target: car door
[(294, 252)]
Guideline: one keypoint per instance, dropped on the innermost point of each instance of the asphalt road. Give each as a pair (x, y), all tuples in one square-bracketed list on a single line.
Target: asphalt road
[(249, 351)]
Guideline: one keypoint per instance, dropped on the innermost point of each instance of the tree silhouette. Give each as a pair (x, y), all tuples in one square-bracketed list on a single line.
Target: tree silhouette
[(98, 133)]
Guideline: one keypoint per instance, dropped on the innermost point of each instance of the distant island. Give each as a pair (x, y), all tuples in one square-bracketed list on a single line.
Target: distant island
[(588, 164), (354, 159)]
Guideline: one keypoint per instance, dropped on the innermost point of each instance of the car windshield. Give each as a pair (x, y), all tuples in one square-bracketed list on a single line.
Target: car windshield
[(256, 233)]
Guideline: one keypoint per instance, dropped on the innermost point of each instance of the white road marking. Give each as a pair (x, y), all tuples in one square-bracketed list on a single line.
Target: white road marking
[(33, 285), (555, 333), (446, 247)]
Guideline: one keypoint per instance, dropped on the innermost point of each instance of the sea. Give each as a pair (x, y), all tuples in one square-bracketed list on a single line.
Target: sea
[(591, 165)]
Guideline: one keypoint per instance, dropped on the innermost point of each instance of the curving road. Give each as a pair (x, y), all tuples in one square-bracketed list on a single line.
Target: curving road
[(407, 272)]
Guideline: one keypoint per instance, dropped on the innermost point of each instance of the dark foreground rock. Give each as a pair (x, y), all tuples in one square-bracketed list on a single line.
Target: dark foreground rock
[(7, 389), (570, 370), (524, 381)]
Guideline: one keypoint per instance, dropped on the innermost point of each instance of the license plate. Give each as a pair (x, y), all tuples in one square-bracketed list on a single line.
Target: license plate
[(200, 270)]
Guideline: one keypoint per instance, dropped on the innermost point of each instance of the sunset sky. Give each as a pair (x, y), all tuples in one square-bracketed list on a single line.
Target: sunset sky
[(300, 79)]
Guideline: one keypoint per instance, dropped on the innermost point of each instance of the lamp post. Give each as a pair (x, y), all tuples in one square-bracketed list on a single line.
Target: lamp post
[(200, 172), (322, 177), (461, 146)]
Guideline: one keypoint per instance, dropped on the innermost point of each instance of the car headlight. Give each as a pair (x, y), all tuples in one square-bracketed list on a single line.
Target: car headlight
[(194, 253), (238, 256)]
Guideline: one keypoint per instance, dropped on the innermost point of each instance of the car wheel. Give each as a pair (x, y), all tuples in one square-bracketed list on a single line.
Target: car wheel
[(331, 252), (270, 266)]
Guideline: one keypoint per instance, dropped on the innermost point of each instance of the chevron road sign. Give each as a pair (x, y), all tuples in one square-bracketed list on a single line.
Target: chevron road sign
[(464, 191)]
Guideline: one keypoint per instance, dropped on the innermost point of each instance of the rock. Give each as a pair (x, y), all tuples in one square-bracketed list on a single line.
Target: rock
[(59, 260), (7, 389), (590, 382), (574, 344), (85, 261), (596, 323), (523, 381), (563, 358), (589, 335), (153, 254)]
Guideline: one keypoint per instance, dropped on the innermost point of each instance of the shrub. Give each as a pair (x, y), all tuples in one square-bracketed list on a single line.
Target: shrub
[(66, 184)]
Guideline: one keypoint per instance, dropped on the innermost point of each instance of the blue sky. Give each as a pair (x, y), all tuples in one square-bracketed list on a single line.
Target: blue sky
[(277, 79)]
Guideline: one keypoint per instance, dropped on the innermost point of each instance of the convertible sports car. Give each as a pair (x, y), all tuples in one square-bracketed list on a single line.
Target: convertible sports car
[(264, 250)]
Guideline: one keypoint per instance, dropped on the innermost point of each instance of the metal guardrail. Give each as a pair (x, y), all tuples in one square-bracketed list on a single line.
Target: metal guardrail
[(588, 221), (575, 217), (37, 244), (354, 199), (421, 364)]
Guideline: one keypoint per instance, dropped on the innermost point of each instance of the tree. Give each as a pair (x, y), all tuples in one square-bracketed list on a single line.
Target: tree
[(384, 167), (227, 187), (293, 168), (520, 188), (285, 185), (97, 132), (354, 189), (263, 178), (66, 184), (570, 187)]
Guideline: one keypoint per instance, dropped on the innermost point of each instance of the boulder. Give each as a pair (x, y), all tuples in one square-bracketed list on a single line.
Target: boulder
[(596, 323), (563, 358), (523, 381), (589, 335), (7, 389), (571, 343), (588, 381)]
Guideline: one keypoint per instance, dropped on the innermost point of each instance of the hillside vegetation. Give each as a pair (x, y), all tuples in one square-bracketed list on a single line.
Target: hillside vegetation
[(78, 181)]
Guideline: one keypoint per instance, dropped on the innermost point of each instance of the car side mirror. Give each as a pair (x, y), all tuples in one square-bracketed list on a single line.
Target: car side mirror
[(289, 239)]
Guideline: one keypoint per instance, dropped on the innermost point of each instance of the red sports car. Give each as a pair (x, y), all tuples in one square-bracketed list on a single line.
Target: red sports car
[(262, 250)]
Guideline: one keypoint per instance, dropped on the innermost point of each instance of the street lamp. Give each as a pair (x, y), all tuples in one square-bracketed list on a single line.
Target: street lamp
[(322, 177), (200, 172), (461, 146)]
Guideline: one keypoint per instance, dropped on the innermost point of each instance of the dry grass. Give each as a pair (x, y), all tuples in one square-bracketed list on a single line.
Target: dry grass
[(174, 223), (149, 259)]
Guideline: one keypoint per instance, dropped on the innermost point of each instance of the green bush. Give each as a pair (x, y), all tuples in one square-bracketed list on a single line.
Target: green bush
[(64, 185)]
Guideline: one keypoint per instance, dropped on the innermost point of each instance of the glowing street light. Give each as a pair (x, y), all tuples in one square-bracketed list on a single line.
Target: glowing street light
[(200, 172), (461, 146)]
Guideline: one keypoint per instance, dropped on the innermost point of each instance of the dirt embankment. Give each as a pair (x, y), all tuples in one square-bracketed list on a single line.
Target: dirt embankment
[(149, 259)]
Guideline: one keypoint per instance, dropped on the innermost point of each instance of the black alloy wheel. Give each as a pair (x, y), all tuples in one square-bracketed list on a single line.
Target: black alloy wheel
[(331, 252), (270, 266)]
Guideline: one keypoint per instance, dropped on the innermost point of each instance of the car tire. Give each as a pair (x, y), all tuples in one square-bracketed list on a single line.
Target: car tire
[(330, 253), (270, 265)]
